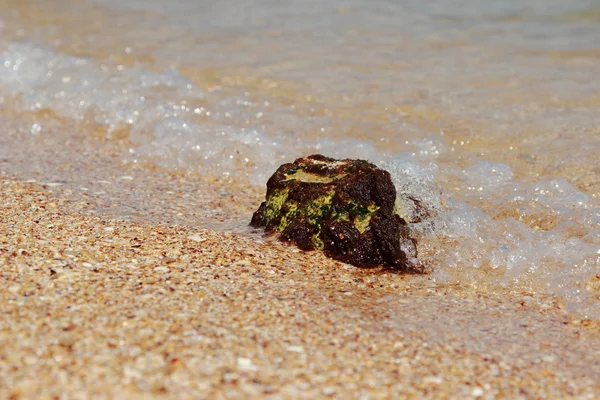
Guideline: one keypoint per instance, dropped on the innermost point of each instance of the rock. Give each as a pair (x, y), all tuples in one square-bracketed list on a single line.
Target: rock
[(347, 208)]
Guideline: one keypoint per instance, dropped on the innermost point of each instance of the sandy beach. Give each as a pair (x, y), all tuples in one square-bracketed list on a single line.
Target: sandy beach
[(95, 307), (136, 140)]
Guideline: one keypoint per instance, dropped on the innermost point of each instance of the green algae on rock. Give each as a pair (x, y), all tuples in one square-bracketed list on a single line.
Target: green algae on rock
[(347, 208)]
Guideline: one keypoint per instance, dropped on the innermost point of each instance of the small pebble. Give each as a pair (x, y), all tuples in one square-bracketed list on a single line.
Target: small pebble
[(295, 349), (245, 364), (196, 238)]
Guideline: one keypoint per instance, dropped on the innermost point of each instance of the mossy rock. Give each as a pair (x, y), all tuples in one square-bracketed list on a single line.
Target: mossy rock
[(347, 208)]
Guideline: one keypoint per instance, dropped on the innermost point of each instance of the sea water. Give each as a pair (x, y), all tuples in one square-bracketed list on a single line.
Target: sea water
[(488, 112)]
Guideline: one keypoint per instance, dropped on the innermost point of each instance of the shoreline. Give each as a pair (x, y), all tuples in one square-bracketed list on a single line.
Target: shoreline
[(136, 142), (95, 306)]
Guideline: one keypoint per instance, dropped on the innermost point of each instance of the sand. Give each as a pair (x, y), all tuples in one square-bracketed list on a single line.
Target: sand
[(111, 288), (97, 307)]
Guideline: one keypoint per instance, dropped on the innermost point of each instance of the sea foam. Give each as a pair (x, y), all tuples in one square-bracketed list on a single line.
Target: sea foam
[(488, 227)]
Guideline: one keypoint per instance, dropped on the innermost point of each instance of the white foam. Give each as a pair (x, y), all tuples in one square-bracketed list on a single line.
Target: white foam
[(180, 143), (158, 110), (81, 88), (531, 239)]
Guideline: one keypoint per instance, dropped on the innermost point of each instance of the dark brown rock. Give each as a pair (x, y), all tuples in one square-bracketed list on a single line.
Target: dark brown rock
[(347, 208)]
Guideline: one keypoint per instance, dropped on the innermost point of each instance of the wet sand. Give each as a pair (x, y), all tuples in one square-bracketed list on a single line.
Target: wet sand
[(96, 307)]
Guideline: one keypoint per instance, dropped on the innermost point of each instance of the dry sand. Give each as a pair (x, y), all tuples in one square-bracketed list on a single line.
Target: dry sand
[(95, 307)]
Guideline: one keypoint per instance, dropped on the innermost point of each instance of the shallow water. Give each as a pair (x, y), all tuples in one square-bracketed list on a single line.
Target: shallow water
[(485, 110)]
